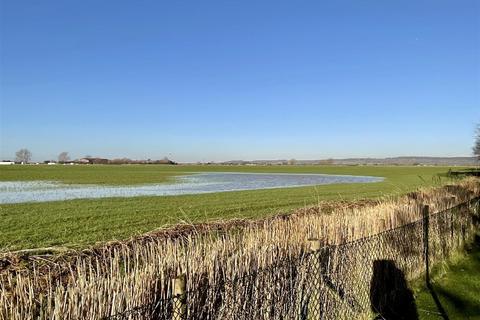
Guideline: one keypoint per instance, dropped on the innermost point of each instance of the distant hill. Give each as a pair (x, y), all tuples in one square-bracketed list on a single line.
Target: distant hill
[(458, 161), (453, 161)]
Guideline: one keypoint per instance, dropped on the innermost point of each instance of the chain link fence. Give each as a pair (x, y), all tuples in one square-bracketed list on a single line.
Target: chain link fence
[(366, 278)]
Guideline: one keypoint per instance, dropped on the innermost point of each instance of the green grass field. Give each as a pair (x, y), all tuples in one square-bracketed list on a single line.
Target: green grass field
[(92, 174), (78, 223), (455, 286)]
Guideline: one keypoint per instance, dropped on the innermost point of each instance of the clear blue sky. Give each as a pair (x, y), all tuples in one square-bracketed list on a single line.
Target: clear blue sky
[(204, 80)]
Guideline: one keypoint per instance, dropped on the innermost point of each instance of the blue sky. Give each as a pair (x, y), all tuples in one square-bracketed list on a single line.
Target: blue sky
[(220, 80)]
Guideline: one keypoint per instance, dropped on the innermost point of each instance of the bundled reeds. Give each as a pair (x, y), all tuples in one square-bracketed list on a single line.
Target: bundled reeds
[(225, 264)]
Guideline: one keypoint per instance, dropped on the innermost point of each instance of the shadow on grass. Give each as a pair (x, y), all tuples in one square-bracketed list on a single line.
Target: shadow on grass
[(390, 296), (440, 308), (459, 302), (452, 293)]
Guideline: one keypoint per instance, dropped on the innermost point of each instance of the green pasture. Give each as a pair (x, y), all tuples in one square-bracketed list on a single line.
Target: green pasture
[(79, 223)]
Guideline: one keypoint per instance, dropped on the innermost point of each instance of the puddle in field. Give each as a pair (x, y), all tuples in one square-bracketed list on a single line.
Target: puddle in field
[(41, 191)]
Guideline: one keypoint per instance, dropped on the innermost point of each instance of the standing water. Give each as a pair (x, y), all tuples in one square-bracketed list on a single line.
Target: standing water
[(41, 191)]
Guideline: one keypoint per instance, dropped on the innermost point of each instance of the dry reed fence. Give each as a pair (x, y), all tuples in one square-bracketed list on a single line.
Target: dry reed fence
[(263, 271)]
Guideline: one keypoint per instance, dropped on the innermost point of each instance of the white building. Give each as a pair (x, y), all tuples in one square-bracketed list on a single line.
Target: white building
[(6, 162)]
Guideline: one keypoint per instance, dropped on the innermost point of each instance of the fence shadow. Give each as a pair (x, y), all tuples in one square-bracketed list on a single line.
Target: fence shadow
[(439, 305), (459, 302), (390, 296)]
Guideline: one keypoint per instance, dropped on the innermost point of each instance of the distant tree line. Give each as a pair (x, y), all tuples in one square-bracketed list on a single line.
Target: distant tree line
[(24, 156), (148, 161), (96, 160)]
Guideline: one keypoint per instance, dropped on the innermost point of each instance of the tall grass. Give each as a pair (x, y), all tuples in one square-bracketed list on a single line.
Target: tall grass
[(121, 276)]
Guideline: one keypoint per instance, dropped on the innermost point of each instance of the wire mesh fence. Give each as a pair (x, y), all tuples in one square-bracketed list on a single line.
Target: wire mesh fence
[(355, 280)]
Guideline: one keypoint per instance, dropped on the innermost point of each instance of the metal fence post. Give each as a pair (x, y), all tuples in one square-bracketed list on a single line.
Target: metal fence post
[(179, 311), (426, 223), (453, 201)]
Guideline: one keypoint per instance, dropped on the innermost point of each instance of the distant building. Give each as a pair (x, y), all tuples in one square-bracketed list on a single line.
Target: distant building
[(163, 161), (93, 161), (6, 162), (83, 161)]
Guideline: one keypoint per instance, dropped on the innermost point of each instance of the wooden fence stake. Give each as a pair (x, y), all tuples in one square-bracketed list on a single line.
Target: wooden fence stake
[(314, 308), (179, 285), (314, 245)]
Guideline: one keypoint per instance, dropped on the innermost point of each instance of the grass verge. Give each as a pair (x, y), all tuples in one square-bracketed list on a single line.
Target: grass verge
[(455, 288)]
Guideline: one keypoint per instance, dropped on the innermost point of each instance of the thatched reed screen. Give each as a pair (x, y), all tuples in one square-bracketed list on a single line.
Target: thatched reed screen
[(355, 280)]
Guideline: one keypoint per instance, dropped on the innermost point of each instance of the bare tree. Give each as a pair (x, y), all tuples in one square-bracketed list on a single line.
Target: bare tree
[(476, 147), (63, 157), (23, 155)]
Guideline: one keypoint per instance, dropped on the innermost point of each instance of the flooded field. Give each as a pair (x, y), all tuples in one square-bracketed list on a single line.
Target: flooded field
[(42, 191)]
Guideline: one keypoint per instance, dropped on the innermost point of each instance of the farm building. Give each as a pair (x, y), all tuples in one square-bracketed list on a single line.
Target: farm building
[(93, 161)]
